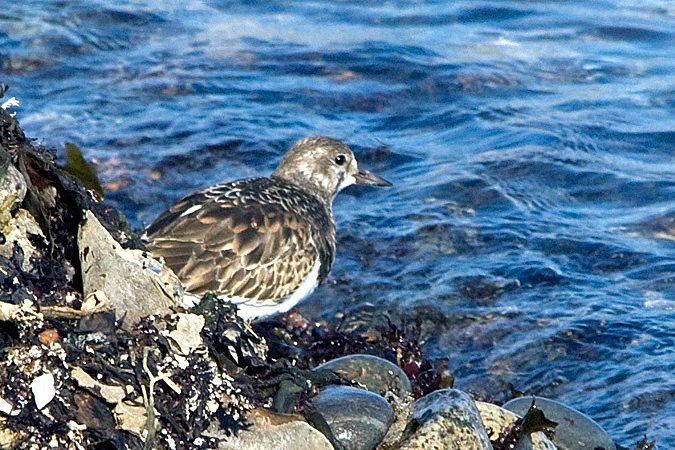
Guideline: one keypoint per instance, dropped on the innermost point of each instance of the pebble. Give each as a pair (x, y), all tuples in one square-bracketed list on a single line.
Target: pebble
[(7, 408), (575, 431), (48, 337), (43, 390), (449, 420), (359, 419), (375, 374)]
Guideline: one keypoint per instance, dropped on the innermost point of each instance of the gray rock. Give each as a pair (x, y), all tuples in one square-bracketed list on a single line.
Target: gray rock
[(270, 431), (12, 188), (575, 431), (184, 336), (18, 231), (498, 420), (15, 228), (359, 419), (111, 394), (381, 377), (398, 428), (136, 284), (448, 420), (374, 374)]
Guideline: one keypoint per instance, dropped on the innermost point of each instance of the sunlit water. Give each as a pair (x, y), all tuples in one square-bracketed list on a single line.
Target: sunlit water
[(531, 145)]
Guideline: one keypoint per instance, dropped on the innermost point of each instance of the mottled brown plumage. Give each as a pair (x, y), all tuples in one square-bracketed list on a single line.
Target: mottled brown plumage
[(263, 243)]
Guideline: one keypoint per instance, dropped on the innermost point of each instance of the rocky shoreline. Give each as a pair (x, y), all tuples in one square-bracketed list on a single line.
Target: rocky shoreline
[(98, 352)]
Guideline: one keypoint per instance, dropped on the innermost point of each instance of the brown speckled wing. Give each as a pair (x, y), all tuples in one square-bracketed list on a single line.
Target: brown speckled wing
[(233, 244)]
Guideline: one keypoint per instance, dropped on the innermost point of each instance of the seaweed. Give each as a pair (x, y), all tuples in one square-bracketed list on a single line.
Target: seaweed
[(533, 422)]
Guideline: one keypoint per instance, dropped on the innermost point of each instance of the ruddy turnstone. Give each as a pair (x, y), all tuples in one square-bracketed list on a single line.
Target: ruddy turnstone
[(262, 243)]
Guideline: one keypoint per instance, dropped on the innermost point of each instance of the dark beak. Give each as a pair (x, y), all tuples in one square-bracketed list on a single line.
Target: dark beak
[(365, 177)]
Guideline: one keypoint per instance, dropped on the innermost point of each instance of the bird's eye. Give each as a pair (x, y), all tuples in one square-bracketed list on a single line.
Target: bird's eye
[(340, 159)]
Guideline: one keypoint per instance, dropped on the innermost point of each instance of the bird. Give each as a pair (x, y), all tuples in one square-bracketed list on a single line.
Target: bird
[(262, 243)]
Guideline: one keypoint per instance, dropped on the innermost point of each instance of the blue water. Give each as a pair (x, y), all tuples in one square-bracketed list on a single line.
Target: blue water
[(531, 226)]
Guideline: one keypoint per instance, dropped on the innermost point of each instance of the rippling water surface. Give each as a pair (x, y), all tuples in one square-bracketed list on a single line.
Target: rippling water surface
[(531, 145)]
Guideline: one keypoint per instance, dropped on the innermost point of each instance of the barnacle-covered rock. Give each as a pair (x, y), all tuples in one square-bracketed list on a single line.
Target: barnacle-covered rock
[(447, 419)]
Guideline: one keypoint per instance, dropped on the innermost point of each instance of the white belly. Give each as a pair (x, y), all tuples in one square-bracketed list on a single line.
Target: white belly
[(249, 309)]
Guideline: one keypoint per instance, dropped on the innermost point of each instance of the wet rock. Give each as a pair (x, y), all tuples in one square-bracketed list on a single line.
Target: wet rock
[(270, 431), (358, 419), (381, 377), (499, 420), (135, 283), (574, 431), (374, 374), (447, 419)]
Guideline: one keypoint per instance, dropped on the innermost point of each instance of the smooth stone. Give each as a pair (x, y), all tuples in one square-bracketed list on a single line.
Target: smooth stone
[(43, 390), (7, 408), (575, 431), (271, 431), (359, 419), (449, 420), (381, 377), (498, 420), (374, 374), (136, 284)]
